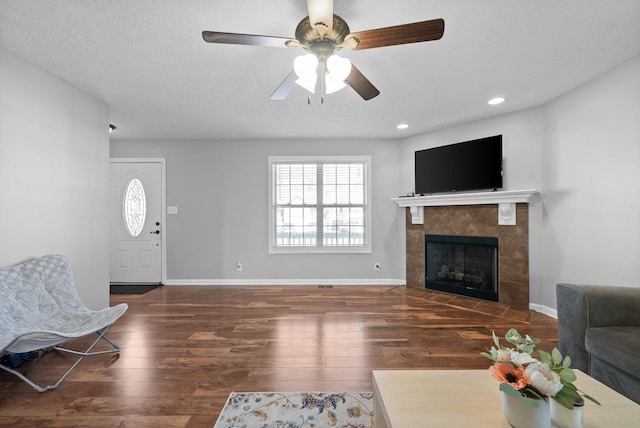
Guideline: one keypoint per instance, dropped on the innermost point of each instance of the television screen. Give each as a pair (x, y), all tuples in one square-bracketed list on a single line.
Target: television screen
[(470, 165)]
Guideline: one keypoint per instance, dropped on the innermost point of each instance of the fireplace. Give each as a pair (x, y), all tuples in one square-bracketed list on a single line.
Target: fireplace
[(464, 265), (473, 214)]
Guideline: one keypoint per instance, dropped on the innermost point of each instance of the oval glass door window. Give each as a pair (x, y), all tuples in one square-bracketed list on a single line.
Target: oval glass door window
[(134, 207)]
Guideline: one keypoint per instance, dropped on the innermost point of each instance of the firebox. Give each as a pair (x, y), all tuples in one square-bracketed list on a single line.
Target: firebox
[(464, 265)]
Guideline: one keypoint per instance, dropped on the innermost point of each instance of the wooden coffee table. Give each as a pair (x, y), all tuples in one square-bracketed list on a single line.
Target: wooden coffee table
[(470, 398)]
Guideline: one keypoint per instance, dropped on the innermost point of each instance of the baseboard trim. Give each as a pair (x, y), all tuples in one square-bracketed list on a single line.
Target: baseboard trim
[(389, 281), (544, 310)]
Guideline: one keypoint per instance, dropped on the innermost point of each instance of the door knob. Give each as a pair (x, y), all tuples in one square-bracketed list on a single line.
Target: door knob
[(157, 232)]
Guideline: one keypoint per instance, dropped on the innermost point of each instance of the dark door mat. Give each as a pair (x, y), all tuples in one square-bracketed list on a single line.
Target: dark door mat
[(132, 288)]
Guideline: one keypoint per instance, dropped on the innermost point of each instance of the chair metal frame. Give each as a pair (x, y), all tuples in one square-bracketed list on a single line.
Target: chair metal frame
[(86, 353)]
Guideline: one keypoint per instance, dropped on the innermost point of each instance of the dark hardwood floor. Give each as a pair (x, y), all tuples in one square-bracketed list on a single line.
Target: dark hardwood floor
[(185, 348)]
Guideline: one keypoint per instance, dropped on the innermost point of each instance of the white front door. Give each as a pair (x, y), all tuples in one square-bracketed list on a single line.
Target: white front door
[(136, 205)]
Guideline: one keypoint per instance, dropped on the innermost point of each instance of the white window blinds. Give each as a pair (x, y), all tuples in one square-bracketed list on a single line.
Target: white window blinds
[(320, 204)]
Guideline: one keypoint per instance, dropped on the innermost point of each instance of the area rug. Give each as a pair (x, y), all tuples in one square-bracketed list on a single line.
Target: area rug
[(297, 410)]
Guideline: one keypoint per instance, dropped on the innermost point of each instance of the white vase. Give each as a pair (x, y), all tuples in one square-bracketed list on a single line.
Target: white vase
[(567, 418), (520, 415)]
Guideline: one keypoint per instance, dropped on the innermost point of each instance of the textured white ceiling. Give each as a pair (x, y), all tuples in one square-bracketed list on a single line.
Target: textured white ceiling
[(147, 60)]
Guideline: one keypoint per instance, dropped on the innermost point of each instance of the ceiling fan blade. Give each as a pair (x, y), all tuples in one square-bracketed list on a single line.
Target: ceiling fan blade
[(244, 39), (361, 84), (285, 88), (423, 31)]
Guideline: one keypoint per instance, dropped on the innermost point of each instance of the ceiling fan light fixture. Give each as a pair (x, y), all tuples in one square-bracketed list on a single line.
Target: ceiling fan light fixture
[(321, 15), (338, 67), (309, 83), (305, 67), (332, 85), (338, 70), (322, 32)]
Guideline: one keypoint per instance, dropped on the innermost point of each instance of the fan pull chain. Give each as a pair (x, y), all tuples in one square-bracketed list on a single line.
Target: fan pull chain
[(322, 72)]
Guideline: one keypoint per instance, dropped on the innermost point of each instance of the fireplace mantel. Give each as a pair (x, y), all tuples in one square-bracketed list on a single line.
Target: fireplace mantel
[(506, 200), (480, 198)]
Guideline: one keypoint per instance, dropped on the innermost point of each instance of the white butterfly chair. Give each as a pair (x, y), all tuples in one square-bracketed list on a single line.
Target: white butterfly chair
[(40, 309)]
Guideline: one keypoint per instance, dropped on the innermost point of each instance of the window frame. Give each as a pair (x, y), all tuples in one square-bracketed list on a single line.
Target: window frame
[(319, 160)]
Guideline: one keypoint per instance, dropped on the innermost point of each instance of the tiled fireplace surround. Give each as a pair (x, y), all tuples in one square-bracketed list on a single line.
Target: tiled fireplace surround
[(474, 220)]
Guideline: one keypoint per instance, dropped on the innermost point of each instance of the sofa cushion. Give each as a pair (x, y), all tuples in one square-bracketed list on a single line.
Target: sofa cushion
[(619, 346)]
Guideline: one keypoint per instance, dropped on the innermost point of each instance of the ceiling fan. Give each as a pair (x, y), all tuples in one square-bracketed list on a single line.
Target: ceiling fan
[(321, 34)]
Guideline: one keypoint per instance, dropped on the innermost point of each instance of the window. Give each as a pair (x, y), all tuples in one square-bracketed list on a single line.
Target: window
[(319, 204), (134, 207)]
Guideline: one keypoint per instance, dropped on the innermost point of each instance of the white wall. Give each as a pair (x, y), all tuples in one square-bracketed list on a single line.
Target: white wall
[(53, 175), (221, 189), (591, 183)]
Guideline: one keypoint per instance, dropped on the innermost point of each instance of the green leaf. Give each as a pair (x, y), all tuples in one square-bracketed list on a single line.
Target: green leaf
[(545, 357), (535, 393), (512, 392), (588, 397), (495, 339), (513, 336), (509, 390), (556, 355), (567, 376), (488, 355), (568, 392), (569, 387), (532, 340), (564, 401), (531, 402)]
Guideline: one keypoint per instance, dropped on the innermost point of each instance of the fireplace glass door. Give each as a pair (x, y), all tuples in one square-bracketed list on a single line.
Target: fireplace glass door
[(464, 265)]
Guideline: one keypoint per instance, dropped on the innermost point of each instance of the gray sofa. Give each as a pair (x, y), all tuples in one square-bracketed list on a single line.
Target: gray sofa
[(599, 328)]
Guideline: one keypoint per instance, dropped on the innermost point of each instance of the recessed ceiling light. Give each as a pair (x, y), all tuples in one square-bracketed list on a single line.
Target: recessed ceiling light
[(496, 101), (402, 126)]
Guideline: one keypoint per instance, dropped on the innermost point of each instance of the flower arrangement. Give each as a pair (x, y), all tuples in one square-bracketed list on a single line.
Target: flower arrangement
[(521, 375)]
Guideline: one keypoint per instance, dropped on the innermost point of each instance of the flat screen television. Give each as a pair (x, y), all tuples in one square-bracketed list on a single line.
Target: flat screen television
[(469, 165)]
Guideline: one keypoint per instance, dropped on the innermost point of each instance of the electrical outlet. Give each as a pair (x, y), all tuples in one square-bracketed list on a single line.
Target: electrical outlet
[(238, 267), (377, 267)]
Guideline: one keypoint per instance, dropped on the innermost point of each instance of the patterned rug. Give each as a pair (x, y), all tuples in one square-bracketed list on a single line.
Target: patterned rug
[(297, 410)]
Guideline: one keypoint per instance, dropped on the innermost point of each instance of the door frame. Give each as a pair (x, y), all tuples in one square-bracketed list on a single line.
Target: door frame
[(163, 206)]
